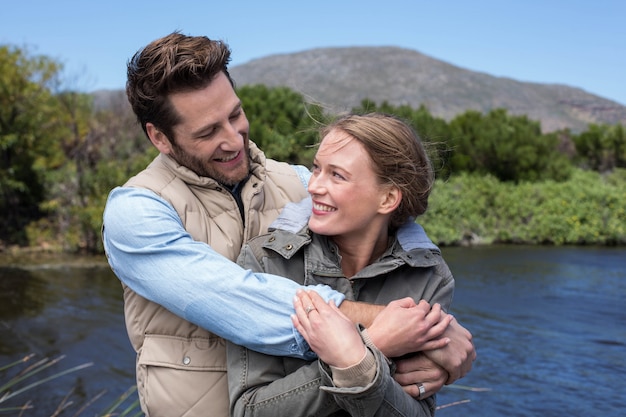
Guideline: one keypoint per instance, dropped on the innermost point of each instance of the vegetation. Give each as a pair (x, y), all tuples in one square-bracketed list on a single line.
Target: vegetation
[(500, 178), (27, 375), (588, 208)]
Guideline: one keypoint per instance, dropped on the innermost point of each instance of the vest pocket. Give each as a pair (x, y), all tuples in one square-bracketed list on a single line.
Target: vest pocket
[(183, 376), (197, 353)]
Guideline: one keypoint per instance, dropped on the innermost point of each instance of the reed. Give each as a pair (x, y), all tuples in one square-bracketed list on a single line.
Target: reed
[(27, 373)]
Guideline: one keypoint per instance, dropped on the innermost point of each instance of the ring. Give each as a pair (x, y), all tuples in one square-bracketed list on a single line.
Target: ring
[(308, 310), (422, 390)]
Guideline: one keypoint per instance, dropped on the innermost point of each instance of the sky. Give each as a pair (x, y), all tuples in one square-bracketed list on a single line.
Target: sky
[(579, 43)]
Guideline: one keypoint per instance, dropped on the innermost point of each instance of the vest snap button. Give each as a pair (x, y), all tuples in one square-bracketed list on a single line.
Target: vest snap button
[(186, 360), (289, 247)]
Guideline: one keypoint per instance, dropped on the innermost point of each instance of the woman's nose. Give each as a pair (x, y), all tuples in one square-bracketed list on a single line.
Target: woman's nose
[(315, 184)]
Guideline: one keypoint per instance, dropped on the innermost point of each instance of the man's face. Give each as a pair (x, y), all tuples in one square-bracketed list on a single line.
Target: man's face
[(212, 137)]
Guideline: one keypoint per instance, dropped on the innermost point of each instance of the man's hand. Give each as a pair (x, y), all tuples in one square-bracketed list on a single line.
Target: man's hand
[(404, 327), (418, 369), (457, 356)]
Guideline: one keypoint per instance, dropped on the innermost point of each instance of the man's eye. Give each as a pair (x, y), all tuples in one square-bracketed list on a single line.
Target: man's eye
[(207, 134)]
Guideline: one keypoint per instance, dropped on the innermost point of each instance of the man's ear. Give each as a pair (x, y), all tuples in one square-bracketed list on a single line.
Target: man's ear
[(158, 139), (391, 200)]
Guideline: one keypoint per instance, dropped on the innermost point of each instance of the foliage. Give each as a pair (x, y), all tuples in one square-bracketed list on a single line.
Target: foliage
[(60, 156), (25, 379), (602, 147), (589, 208), (281, 123), (105, 154), (28, 136), (512, 148)]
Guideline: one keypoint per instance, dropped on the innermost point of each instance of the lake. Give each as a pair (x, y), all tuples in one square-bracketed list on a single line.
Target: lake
[(549, 326)]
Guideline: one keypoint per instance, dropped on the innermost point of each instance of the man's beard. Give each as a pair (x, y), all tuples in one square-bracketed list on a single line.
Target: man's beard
[(210, 169)]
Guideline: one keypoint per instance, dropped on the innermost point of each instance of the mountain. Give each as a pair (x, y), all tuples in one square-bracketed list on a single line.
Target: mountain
[(340, 78)]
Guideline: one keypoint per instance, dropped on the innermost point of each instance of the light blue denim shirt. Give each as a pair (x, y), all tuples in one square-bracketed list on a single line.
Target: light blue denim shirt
[(151, 252)]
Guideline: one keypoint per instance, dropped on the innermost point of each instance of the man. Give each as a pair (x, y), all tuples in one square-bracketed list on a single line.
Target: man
[(171, 232)]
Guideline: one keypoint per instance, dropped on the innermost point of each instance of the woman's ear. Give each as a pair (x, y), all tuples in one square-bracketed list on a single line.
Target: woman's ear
[(158, 139), (391, 200)]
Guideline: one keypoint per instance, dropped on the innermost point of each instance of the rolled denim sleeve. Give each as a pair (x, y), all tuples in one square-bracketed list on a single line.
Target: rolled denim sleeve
[(150, 251)]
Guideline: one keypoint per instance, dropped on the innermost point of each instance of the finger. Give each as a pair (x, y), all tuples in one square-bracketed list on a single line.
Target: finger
[(438, 329), (423, 309), (413, 363), (435, 313), (301, 311), (297, 324), (316, 300), (332, 305), (406, 302), (297, 302), (414, 391), (436, 343), (433, 381), (305, 298), (307, 301)]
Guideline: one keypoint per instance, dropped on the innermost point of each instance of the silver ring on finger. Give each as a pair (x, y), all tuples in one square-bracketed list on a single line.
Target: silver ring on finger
[(421, 389), (308, 310)]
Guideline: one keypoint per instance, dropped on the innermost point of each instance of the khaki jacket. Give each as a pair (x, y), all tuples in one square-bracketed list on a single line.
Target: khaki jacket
[(181, 368)]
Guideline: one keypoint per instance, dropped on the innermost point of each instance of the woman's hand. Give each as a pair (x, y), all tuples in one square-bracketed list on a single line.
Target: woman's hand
[(405, 327), (328, 332)]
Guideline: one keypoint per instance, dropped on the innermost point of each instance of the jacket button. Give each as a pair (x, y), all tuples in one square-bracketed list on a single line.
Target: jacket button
[(289, 247), (186, 360)]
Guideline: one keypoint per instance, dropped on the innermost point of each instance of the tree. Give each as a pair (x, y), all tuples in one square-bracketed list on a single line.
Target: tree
[(28, 136), (102, 148), (512, 148), (281, 122), (602, 147)]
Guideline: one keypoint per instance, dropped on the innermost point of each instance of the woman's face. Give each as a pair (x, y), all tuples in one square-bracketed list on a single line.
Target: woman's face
[(344, 188)]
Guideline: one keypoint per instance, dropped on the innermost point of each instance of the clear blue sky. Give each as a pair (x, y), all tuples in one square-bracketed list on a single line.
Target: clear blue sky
[(573, 42)]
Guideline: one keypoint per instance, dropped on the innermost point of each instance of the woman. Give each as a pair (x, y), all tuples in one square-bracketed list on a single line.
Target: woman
[(370, 175)]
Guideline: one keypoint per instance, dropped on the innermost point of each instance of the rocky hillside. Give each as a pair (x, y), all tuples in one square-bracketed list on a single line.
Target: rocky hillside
[(339, 78)]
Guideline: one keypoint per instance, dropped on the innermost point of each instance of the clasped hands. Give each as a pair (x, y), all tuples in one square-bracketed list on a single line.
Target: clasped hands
[(446, 350), (428, 345)]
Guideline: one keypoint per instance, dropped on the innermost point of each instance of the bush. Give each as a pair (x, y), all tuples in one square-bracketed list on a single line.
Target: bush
[(587, 209)]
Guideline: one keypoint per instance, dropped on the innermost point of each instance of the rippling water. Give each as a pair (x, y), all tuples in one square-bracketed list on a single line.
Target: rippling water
[(550, 330), (549, 326)]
